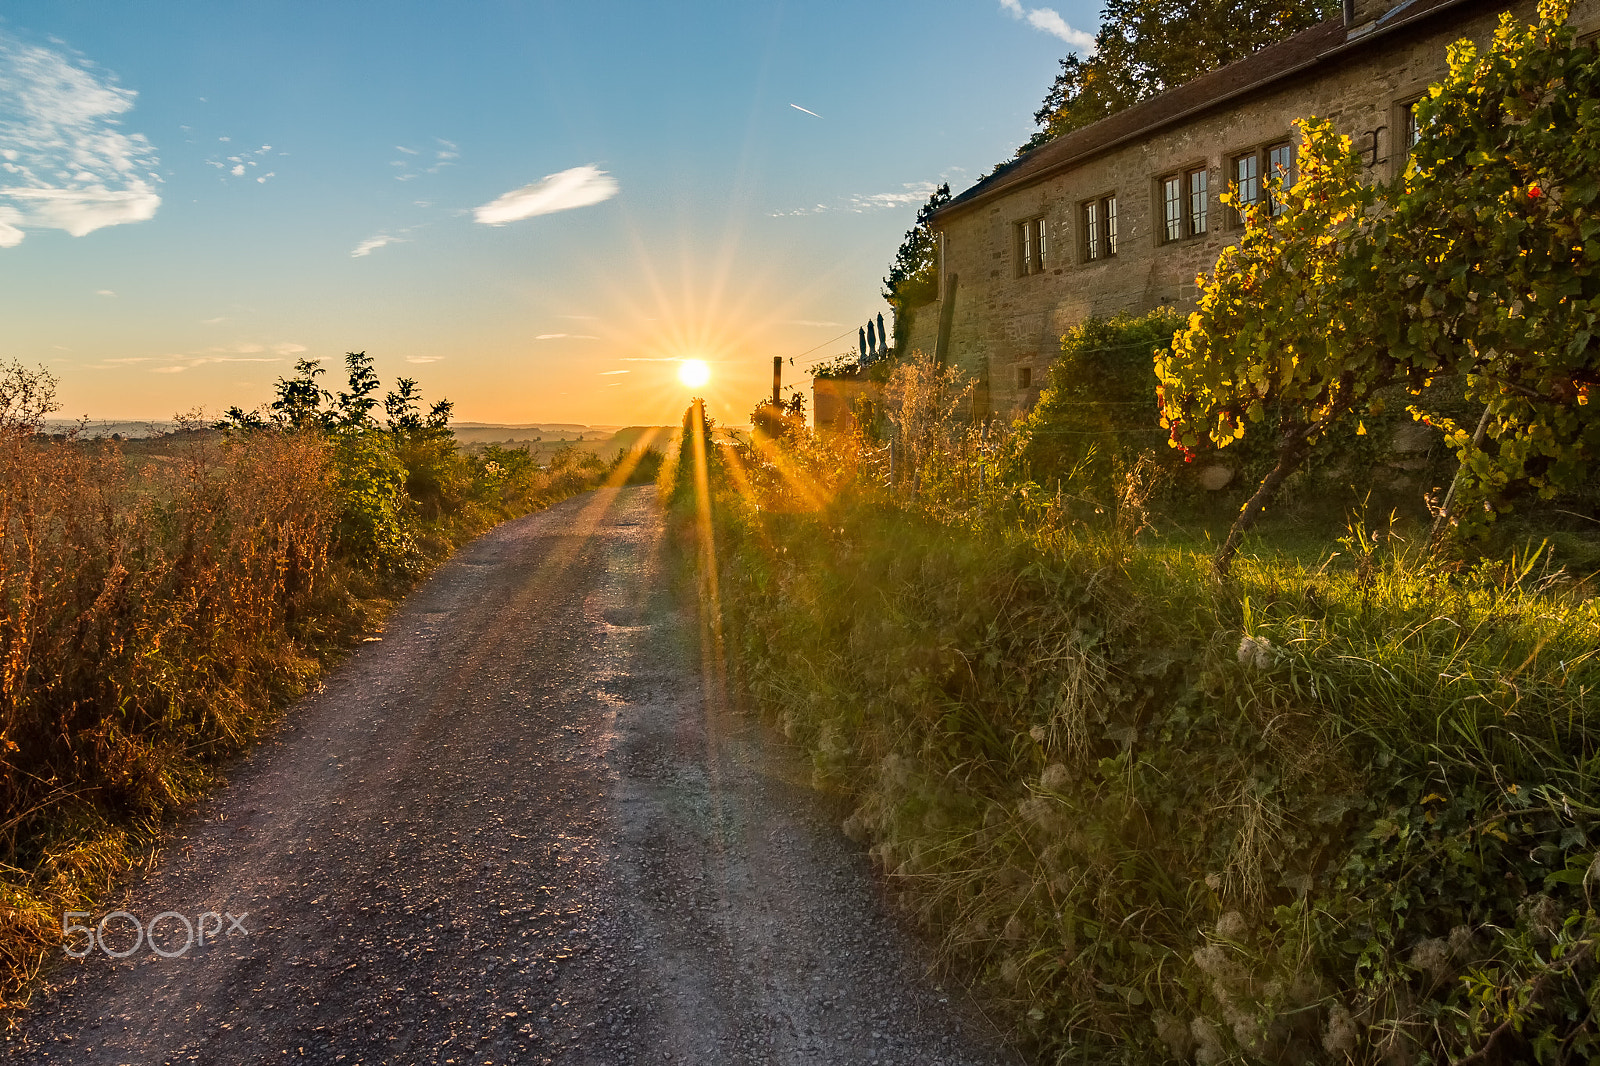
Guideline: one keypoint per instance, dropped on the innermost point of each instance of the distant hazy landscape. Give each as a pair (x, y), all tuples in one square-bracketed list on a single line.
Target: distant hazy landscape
[(538, 437)]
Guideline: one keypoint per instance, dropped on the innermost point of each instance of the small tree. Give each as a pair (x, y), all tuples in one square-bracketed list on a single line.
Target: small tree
[(913, 278), (1484, 262), (300, 398)]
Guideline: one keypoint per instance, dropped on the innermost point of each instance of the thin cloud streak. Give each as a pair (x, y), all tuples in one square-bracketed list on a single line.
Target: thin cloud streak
[(914, 192), (579, 187), (813, 114), (372, 244), (64, 161)]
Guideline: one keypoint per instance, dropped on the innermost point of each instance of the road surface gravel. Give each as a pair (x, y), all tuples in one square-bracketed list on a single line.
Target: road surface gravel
[(515, 829)]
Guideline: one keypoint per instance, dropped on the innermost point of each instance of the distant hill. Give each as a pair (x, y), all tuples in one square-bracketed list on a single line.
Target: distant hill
[(130, 430), (466, 432)]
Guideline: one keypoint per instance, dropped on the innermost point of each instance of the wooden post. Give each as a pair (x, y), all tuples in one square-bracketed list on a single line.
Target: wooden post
[(777, 378)]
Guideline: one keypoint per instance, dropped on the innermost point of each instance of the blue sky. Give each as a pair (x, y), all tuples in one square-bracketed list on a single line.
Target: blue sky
[(535, 209)]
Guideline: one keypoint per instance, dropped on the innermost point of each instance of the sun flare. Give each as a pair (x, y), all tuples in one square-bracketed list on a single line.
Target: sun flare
[(694, 373)]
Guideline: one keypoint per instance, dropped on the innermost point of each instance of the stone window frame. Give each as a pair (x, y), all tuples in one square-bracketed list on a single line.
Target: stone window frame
[(1031, 246), (1099, 219), (1261, 155), (1187, 216), (1024, 378), (1402, 125)]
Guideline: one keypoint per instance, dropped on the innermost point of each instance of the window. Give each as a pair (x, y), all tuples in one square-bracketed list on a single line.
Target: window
[(1171, 209), (1030, 247), (1199, 204), (1246, 183), (1099, 227), (1413, 129), (1253, 173), (1280, 171), (1024, 377), (1184, 204)]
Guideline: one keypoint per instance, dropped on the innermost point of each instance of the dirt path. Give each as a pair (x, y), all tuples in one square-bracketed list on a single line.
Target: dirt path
[(514, 831)]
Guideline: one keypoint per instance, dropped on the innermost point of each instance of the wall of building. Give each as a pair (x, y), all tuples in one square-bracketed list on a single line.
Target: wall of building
[(1002, 323)]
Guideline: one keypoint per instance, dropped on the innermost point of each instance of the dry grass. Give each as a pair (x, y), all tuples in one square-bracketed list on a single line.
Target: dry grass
[(152, 617)]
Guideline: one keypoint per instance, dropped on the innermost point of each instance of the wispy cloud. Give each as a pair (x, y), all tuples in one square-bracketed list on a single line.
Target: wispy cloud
[(104, 292), (565, 336), (578, 187), (1051, 22), (444, 154), (807, 110), (913, 192), (178, 362), (612, 373), (423, 358), (65, 162), (372, 244)]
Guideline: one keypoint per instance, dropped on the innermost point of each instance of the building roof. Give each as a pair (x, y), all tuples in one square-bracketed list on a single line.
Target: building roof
[(1325, 43)]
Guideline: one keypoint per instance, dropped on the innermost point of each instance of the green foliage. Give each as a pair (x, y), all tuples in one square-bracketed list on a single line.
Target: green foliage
[(1145, 48), (779, 420), (913, 278), (300, 398), (1094, 416), (377, 524), (643, 465), (1322, 813), (1481, 265)]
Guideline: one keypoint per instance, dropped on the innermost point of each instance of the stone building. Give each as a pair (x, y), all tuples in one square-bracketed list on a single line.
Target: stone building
[(1122, 215)]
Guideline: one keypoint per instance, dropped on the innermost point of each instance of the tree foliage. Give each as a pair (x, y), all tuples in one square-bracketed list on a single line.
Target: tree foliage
[(1144, 48), (913, 278), (1094, 415), (1478, 261)]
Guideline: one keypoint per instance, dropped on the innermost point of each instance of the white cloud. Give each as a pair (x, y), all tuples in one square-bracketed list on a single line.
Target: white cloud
[(578, 187), (372, 244), (423, 358), (1048, 20), (105, 292), (565, 336), (239, 166), (65, 162), (611, 373)]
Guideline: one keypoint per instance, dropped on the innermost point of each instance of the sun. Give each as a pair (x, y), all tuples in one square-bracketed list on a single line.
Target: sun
[(693, 373)]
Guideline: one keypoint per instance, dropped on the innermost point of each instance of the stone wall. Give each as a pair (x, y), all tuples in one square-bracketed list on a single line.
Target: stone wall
[(1003, 324)]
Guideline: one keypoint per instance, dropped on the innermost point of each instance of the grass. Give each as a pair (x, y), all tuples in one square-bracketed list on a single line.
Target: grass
[(1335, 809), (163, 601)]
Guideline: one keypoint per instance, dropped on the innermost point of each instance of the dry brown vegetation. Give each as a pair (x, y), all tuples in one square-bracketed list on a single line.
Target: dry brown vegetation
[(162, 601)]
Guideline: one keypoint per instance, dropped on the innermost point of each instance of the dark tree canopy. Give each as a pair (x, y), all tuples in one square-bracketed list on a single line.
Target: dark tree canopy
[(914, 275), (1145, 47)]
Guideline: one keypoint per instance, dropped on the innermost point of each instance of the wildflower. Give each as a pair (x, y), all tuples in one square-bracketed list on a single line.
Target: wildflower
[(1534, 192)]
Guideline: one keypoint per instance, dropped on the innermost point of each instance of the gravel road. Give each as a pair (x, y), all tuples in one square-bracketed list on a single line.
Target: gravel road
[(515, 830)]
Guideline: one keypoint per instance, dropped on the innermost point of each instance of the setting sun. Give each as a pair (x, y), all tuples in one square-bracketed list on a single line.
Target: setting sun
[(693, 373)]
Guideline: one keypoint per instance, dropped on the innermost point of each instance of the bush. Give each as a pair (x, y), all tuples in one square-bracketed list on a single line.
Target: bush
[(161, 601), (1326, 812)]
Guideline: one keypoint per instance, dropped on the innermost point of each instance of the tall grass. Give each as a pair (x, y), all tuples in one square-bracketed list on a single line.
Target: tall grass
[(161, 602), (1334, 810)]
